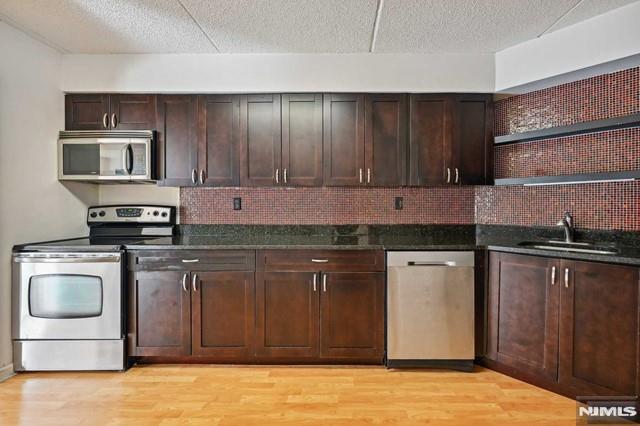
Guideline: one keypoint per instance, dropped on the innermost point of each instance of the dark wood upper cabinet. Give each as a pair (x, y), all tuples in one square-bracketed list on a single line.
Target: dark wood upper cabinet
[(132, 112), (430, 138), (86, 112), (260, 140), (223, 313), (343, 139), (523, 313), (218, 140), (599, 330), (302, 139), (159, 314), (177, 139), (352, 315), (472, 148), (287, 314), (385, 139)]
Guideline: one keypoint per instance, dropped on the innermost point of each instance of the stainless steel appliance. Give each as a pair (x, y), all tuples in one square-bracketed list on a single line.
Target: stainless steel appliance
[(67, 307), (430, 309), (107, 157)]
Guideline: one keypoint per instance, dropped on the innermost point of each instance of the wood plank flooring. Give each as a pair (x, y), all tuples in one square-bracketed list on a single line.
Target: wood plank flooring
[(252, 395)]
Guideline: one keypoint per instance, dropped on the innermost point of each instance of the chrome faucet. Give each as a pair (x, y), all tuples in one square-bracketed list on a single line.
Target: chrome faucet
[(567, 223)]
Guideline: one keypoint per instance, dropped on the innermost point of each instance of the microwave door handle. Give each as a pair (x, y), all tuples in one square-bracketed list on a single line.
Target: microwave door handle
[(129, 159)]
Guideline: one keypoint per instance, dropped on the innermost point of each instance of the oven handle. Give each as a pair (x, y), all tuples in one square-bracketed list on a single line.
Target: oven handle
[(67, 258)]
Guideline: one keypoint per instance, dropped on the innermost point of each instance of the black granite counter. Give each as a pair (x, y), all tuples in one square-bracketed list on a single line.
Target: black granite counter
[(394, 237)]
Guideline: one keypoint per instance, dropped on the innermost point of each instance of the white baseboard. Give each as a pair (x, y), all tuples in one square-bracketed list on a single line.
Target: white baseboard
[(6, 372)]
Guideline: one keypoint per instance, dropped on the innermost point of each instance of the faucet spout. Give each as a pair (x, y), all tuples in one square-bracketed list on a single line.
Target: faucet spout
[(569, 231)]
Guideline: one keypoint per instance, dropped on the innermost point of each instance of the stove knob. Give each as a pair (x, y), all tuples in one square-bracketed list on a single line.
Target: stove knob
[(102, 213), (94, 214), (164, 214), (156, 213)]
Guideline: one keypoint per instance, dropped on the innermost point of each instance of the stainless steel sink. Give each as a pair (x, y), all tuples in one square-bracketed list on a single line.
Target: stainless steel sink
[(576, 247)]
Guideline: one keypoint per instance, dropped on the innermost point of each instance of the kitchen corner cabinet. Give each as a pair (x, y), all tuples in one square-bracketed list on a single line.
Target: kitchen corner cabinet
[(450, 139), (571, 325), (110, 112), (365, 139)]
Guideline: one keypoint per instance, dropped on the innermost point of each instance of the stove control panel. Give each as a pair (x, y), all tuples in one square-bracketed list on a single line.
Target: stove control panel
[(131, 214)]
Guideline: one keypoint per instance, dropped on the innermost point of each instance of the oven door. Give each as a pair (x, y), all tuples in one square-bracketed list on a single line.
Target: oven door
[(67, 296)]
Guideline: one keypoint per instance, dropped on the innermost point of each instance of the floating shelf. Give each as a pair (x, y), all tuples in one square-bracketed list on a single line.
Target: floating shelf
[(632, 120), (571, 179)]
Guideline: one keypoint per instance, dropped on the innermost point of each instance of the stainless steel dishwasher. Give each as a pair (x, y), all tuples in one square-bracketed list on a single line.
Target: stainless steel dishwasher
[(430, 309)]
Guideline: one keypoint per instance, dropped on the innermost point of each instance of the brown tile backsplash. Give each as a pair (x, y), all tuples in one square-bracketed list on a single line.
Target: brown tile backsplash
[(606, 205)]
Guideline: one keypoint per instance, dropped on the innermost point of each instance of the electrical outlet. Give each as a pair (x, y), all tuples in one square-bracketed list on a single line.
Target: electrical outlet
[(237, 203), (399, 203)]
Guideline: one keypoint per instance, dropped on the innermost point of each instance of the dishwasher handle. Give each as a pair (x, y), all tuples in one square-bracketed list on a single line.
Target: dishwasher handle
[(431, 263)]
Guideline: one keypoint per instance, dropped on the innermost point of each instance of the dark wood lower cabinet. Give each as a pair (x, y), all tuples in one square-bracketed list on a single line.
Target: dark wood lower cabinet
[(287, 308), (223, 307), (352, 315), (159, 314), (570, 326)]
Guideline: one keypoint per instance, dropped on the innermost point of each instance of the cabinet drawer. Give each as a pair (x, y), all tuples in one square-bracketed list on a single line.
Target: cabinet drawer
[(321, 260), (192, 260)]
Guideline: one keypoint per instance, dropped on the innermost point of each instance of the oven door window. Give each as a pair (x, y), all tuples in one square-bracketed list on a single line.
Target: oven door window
[(63, 296)]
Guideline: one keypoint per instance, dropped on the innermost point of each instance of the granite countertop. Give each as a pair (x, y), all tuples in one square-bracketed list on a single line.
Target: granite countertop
[(398, 237)]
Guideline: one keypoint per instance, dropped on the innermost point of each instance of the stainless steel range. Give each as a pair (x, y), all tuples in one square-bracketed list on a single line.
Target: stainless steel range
[(67, 307)]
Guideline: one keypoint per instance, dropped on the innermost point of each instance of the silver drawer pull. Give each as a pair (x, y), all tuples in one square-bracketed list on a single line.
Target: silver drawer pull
[(553, 275), (324, 283), (447, 263), (320, 260), (190, 260), (566, 277), (315, 282), (194, 282), (184, 282)]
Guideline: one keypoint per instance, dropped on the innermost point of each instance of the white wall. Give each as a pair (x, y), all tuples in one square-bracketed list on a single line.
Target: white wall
[(33, 204), (220, 73), (601, 39)]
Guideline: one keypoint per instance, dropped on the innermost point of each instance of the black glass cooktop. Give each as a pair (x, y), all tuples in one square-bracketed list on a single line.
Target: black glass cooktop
[(97, 243)]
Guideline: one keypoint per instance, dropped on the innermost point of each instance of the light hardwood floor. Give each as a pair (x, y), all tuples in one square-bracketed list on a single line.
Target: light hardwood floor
[(239, 395)]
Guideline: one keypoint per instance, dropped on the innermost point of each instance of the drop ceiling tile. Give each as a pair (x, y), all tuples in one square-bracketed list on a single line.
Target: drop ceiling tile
[(588, 9), (109, 26), (463, 26), (295, 26)]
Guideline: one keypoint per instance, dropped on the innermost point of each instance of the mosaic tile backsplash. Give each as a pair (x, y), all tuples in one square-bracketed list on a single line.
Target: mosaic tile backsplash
[(613, 205)]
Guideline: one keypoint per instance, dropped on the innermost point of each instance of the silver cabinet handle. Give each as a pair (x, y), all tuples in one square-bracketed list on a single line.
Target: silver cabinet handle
[(320, 260), (194, 176), (284, 175), (324, 283), (202, 176), (105, 120), (184, 281), (277, 175), (360, 175), (457, 175), (194, 282), (566, 277), (368, 175), (190, 260), (553, 275), (315, 282), (448, 175), (114, 121)]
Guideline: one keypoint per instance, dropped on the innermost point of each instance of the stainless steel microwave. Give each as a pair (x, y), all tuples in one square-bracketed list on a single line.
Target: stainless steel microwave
[(107, 157)]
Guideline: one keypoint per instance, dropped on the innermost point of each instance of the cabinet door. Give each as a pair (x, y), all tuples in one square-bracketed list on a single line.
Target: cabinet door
[(287, 314), (599, 329), (159, 314), (223, 313), (430, 125), (177, 140), (260, 140), (472, 140), (343, 140), (352, 315), (132, 112), (302, 140), (218, 140), (385, 139), (86, 112), (523, 313)]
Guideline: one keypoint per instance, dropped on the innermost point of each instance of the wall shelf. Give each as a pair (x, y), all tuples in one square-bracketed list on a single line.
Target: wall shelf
[(632, 120), (571, 179)]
